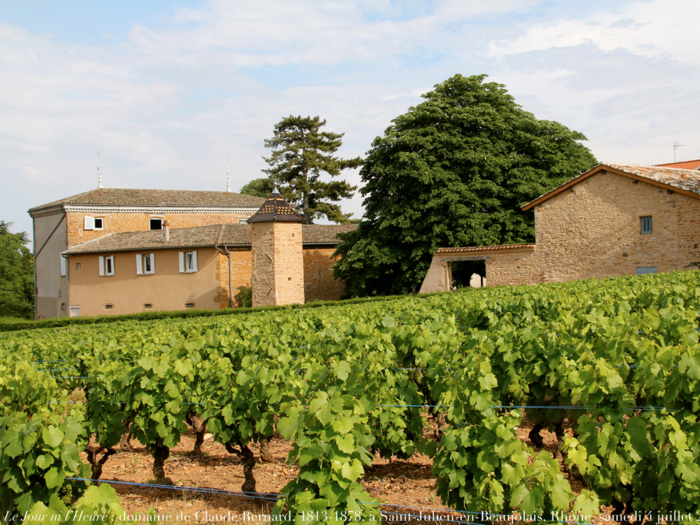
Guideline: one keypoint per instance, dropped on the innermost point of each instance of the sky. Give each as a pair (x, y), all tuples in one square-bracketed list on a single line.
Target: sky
[(166, 90)]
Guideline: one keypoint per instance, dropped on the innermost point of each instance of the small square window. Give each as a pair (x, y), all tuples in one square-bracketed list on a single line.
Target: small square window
[(156, 224), (646, 225), (99, 223)]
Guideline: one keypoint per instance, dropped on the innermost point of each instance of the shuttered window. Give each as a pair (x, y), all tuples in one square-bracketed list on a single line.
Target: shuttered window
[(646, 225)]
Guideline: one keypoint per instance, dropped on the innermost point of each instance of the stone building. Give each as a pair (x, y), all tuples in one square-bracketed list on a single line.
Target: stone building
[(612, 220), (106, 252)]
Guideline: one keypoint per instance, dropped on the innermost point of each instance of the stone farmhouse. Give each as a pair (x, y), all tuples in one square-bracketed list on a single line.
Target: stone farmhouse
[(610, 221), (117, 251)]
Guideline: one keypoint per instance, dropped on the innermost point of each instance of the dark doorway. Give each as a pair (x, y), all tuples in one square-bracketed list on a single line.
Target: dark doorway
[(462, 272)]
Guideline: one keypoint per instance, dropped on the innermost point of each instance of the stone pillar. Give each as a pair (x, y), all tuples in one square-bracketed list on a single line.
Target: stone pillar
[(277, 256)]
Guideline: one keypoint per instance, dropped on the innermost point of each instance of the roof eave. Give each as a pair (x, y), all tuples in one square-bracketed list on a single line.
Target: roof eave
[(605, 167)]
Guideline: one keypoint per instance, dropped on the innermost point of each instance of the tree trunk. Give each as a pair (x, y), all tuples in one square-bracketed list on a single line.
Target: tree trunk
[(248, 465), (200, 427), (124, 442), (160, 454), (535, 436), (94, 463), (265, 455)]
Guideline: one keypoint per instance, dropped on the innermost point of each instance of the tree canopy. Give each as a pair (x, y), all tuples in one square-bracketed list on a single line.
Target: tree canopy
[(301, 154), (261, 187), (16, 274), (452, 171)]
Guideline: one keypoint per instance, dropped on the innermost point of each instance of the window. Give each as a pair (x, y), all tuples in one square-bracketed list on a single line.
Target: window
[(242, 221), (148, 305), (93, 223), (156, 224), (643, 270), (78, 266), (646, 225), (188, 262), (189, 305), (109, 306), (107, 265), (145, 264)]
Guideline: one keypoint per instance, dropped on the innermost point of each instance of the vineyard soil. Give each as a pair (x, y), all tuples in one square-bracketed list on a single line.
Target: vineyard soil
[(409, 483)]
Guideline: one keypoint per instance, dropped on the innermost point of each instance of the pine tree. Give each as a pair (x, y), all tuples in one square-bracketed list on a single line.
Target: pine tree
[(301, 154)]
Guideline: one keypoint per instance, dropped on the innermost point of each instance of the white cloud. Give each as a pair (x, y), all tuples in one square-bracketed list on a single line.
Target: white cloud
[(166, 106)]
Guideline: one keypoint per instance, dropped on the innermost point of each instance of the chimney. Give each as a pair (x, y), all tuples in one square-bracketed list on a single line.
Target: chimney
[(166, 230)]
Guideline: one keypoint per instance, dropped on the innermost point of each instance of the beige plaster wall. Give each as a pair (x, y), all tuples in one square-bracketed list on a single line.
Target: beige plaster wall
[(167, 289)]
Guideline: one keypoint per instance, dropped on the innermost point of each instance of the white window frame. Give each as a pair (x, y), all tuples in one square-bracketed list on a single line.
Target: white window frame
[(95, 219), (142, 263), (106, 265), (155, 219), (188, 262)]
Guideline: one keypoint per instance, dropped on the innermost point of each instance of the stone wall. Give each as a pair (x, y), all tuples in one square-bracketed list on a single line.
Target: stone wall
[(241, 273), (319, 283), (277, 263), (593, 229), (133, 222)]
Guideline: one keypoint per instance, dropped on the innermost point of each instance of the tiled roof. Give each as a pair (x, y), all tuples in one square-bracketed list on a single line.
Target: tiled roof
[(169, 198), (230, 235), (485, 248), (687, 181), (685, 165), (276, 209)]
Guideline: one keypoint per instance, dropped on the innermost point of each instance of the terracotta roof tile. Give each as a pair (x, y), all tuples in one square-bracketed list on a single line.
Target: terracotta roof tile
[(231, 235), (169, 198), (500, 247), (684, 165)]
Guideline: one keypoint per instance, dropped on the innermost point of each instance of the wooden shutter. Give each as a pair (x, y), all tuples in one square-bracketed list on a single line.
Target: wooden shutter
[(194, 261), (64, 264), (182, 262), (89, 223), (102, 265), (139, 263), (153, 263)]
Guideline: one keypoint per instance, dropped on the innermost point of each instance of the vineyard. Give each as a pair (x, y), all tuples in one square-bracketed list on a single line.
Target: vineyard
[(610, 366)]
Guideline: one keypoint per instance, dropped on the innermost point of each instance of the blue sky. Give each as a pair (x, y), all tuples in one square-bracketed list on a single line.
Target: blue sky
[(166, 90)]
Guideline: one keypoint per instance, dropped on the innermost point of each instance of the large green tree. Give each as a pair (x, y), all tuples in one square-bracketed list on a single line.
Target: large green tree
[(16, 274), (261, 187), (301, 154), (452, 171)]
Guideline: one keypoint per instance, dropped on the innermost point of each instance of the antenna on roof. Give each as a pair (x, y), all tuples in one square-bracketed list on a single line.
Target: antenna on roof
[(228, 179), (676, 145), (99, 175)]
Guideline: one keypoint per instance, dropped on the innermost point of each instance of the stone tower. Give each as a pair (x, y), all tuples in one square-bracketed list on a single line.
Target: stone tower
[(278, 259)]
